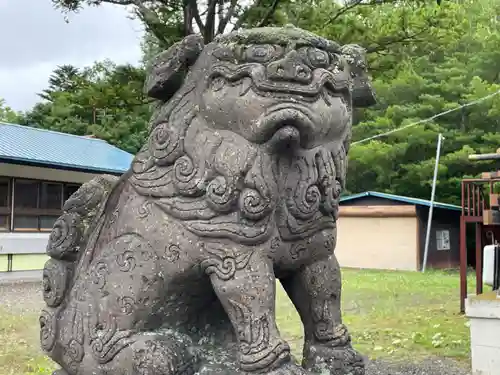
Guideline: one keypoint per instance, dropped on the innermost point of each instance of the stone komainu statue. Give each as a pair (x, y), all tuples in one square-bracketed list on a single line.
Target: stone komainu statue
[(171, 269)]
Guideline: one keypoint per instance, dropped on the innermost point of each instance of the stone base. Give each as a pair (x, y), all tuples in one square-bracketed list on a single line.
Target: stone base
[(483, 312)]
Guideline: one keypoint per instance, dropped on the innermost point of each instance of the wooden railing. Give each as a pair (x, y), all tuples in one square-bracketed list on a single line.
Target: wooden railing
[(473, 203)]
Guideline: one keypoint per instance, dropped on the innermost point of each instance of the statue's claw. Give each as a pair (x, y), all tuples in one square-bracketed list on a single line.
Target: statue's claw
[(335, 360)]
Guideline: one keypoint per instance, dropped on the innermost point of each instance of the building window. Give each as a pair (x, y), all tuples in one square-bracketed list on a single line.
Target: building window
[(25, 223), (37, 204), (69, 190), (5, 204), (443, 239), (26, 194), (51, 195)]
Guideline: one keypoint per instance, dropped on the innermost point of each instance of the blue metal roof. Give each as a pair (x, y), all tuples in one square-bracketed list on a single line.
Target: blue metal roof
[(48, 148), (400, 198)]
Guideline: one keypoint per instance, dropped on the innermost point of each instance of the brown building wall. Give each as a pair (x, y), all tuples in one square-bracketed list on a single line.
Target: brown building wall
[(388, 238), (441, 220)]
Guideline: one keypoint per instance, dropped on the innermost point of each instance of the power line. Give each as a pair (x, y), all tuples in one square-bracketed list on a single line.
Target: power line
[(477, 101)]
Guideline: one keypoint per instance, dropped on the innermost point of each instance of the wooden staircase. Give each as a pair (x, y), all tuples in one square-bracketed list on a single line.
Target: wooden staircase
[(481, 208)]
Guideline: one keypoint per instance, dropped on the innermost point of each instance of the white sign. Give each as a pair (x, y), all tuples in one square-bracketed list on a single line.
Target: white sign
[(443, 239)]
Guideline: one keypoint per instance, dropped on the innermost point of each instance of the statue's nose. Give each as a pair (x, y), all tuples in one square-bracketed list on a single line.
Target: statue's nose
[(289, 68)]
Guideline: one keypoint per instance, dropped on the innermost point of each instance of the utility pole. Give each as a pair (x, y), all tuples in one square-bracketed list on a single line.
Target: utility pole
[(431, 207)]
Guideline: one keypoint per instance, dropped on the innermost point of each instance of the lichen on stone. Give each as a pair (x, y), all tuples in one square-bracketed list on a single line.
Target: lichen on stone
[(280, 36)]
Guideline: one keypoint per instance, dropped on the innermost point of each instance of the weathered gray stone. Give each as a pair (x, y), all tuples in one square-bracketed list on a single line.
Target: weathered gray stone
[(171, 269)]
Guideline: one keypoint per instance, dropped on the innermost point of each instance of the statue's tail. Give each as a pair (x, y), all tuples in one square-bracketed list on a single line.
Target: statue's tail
[(68, 240)]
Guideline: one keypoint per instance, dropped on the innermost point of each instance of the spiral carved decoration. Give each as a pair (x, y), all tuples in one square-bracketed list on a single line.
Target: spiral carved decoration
[(253, 205), (224, 264), (47, 322), (305, 201), (164, 144), (331, 170), (65, 236), (331, 193), (189, 178), (340, 161), (221, 194), (258, 199), (126, 261), (56, 274), (73, 354), (224, 269)]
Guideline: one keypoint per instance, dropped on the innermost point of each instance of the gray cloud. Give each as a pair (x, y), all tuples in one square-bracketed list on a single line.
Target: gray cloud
[(36, 38)]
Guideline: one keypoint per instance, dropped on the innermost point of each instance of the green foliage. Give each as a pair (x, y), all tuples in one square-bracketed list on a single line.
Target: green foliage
[(7, 114), (64, 78), (449, 63), (104, 100)]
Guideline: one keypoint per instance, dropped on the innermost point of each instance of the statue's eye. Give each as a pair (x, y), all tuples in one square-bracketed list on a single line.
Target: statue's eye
[(260, 53), (318, 58)]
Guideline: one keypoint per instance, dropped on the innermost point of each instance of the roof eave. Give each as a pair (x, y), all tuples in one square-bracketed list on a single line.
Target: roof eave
[(59, 166), (414, 201)]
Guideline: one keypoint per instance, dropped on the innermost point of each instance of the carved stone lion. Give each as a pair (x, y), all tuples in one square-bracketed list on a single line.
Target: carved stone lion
[(172, 268)]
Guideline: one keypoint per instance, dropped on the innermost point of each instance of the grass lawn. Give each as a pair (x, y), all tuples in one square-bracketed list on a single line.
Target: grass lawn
[(396, 314), (390, 314), (20, 352)]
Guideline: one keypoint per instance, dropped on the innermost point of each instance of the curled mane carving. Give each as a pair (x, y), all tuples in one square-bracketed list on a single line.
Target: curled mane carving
[(223, 182)]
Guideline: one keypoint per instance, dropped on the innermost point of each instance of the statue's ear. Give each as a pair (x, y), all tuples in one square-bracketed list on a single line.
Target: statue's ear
[(167, 71), (363, 94)]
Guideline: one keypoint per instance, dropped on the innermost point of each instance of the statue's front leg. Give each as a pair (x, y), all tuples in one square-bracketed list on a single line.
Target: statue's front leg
[(315, 291), (248, 296)]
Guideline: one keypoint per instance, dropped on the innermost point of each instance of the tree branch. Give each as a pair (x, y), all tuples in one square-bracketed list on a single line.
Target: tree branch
[(354, 4), (147, 13), (188, 15), (241, 19), (269, 13), (220, 11), (230, 12), (150, 19), (119, 2), (196, 14), (343, 10), (209, 31), (384, 42)]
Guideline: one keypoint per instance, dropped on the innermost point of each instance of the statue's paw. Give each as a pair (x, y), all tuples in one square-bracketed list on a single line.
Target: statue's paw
[(334, 360), (289, 368)]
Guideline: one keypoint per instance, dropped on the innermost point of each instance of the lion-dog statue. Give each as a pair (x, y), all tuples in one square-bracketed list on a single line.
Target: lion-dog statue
[(171, 269)]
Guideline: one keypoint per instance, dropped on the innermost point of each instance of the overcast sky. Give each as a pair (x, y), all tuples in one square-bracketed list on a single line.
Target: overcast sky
[(34, 39)]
